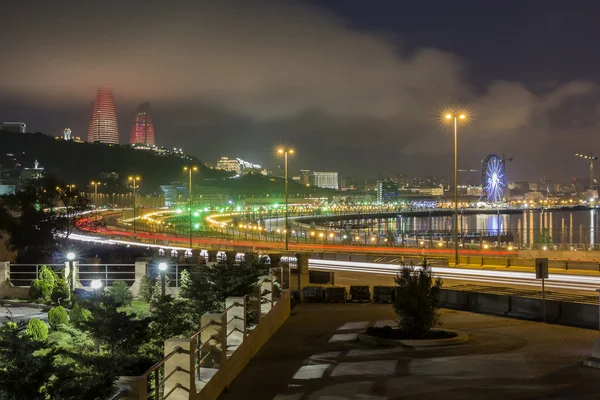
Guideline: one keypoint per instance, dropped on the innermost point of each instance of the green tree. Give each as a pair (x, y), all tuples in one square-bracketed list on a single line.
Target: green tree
[(60, 292), (39, 291), (185, 284), (39, 218), (157, 290), (417, 300), (79, 315), (147, 288), (24, 367), (36, 329), (47, 276), (225, 280), (57, 316), (120, 293), (544, 240)]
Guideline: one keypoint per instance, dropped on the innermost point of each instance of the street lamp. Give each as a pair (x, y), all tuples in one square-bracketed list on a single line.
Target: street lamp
[(455, 117), (190, 169), (163, 268), (96, 284), (135, 181), (96, 192), (285, 151)]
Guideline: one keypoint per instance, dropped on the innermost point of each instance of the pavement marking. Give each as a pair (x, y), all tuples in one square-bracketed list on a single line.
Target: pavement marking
[(315, 371), (366, 368), (353, 325), (344, 337)]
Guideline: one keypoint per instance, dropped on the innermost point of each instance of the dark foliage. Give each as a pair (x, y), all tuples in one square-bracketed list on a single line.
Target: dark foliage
[(417, 299)]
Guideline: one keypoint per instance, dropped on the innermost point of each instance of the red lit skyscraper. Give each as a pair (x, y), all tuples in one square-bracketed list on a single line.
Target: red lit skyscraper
[(103, 123), (142, 127)]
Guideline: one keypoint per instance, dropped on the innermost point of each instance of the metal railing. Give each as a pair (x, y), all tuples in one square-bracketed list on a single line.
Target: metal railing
[(119, 395), (156, 375), (21, 275)]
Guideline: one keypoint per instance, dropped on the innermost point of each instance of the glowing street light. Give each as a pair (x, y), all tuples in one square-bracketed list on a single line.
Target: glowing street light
[(163, 269), (190, 169), (285, 151), (96, 284), (455, 117), (95, 184)]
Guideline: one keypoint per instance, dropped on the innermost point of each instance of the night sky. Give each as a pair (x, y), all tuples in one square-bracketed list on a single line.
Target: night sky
[(355, 86)]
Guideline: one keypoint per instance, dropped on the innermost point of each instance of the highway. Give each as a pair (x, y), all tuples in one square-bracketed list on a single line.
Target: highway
[(372, 274)]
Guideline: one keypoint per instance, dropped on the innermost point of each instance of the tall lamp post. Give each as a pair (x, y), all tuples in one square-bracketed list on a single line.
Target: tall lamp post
[(96, 193), (163, 270), (190, 169), (135, 182), (285, 151), (455, 117)]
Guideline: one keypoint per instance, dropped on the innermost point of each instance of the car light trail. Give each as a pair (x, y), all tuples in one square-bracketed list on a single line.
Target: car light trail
[(557, 281)]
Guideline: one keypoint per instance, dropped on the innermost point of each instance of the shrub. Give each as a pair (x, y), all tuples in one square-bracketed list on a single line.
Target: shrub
[(39, 291), (47, 275), (36, 329), (79, 315), (185, 284), (120, 293), (57, 316), (147, 288), (157, 290), (417, 300), (60, 292)]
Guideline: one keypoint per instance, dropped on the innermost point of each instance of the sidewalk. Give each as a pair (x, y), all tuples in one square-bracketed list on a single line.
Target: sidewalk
[(315, 356)]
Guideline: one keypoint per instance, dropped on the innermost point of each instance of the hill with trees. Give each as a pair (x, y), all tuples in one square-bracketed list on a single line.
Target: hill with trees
[(80, 163)]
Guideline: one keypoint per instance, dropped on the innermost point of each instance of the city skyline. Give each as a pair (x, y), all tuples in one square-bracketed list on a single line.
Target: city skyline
[(268, 77)]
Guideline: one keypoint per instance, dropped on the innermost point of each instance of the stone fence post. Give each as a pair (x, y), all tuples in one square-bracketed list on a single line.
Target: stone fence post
[(140, 271)]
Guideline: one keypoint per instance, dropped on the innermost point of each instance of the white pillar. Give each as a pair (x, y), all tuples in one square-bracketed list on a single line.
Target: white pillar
[(4, 274), (180, 360), (140, 271), (236, 320), (266, 290)]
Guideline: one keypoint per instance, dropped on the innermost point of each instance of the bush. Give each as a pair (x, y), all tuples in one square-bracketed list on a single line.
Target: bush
[(120, 293), (47, 275), (147, 288), (57, 316), (417, 300), (157, 290), (39, 291), (36, 329), (79, 315), (60, 292)]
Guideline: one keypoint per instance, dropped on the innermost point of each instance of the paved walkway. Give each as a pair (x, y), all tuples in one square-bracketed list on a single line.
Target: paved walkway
[(315, 356), (18, 314)]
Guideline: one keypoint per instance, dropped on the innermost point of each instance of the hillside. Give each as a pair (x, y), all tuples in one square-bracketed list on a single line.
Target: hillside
[(80, 163)]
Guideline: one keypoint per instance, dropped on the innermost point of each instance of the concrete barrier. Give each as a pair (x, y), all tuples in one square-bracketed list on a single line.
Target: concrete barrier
[(500, 262), (557, 264), (578, 314), (583, 265), (455, 299), (488, 303), (521, 262), (530, 308), (475, 260)]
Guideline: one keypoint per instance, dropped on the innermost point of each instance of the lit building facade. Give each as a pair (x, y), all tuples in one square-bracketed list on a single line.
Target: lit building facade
[(328, 180), (142, 127), (239, 166), (103, 126), (387, 191), (67, 134)]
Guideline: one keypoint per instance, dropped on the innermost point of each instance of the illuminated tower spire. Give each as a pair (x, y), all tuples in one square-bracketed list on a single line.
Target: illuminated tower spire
[(142, 127), (103, 123)]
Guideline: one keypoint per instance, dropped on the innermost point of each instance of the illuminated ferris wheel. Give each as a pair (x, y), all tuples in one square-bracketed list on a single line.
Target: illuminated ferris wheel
[(493, 178)]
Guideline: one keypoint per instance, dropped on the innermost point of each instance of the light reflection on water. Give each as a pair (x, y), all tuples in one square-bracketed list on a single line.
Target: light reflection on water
[(566, 227)]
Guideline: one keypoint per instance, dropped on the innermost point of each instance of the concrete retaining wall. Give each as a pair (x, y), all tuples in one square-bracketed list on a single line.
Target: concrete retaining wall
[(521, 262), (574, 314), (268, 325), (501, 262)]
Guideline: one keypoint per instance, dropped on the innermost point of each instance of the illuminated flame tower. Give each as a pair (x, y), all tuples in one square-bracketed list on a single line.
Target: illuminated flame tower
[(103, 124), (142, 127)]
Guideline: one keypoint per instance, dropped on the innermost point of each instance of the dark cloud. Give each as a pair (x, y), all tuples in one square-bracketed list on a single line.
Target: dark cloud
[(237, 77)]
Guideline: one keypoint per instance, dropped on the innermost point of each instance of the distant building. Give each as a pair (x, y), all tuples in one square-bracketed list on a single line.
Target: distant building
[(142, 127), (239, 166), (232, 165), (305, 177), (17, 127), (328, 180), (474, 190), (67, 134), (177, 194), (535, 196), (103, 126), (387, 191), (430, 191), (28, 174), (108, 175)]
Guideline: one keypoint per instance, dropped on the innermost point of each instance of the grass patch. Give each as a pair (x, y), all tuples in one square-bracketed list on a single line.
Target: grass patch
[(387, 332), (137, 307)]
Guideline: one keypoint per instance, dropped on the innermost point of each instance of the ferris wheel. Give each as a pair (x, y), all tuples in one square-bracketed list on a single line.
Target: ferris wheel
[(493, 178)]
